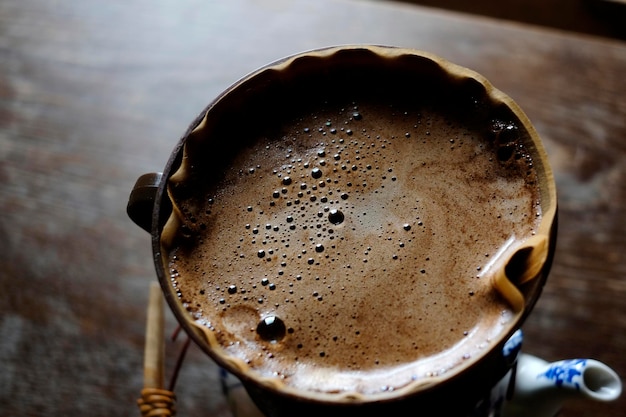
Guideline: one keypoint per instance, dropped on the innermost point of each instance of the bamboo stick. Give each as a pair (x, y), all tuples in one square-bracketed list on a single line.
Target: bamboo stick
[(154, 354)]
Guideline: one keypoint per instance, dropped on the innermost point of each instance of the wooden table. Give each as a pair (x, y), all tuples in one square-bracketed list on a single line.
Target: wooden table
[(94, 94)]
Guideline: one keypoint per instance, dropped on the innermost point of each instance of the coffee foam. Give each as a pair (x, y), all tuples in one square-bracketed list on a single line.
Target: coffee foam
[(352, 248)]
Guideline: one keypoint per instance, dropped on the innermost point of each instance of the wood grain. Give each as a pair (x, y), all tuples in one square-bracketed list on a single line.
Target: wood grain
[(94, 94)]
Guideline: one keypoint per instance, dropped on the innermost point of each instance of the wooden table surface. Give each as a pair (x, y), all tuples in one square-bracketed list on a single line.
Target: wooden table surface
[(94, 94)]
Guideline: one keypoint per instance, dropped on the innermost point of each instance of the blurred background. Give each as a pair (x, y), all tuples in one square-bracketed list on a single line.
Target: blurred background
[(94, 94)]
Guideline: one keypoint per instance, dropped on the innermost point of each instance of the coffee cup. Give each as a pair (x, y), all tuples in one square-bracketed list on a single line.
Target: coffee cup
[(355, 230)]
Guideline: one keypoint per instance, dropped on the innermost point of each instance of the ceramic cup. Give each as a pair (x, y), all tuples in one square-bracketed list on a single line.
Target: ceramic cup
[(521, 266)]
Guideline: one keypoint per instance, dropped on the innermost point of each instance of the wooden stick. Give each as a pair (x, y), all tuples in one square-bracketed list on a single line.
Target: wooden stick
[(154, 354)]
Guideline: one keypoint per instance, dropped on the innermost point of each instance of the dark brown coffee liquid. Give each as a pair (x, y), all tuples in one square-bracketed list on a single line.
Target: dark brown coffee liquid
[(351, 248)]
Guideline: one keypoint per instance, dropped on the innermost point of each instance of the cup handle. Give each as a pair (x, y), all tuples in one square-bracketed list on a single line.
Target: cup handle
[(142, 199)]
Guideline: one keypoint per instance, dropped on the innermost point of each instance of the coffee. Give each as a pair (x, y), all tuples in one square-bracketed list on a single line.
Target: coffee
[(346, 242)]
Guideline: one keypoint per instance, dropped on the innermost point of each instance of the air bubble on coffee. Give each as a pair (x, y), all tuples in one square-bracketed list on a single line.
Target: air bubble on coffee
[(336, 216), (316, 173), (271, 329)]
